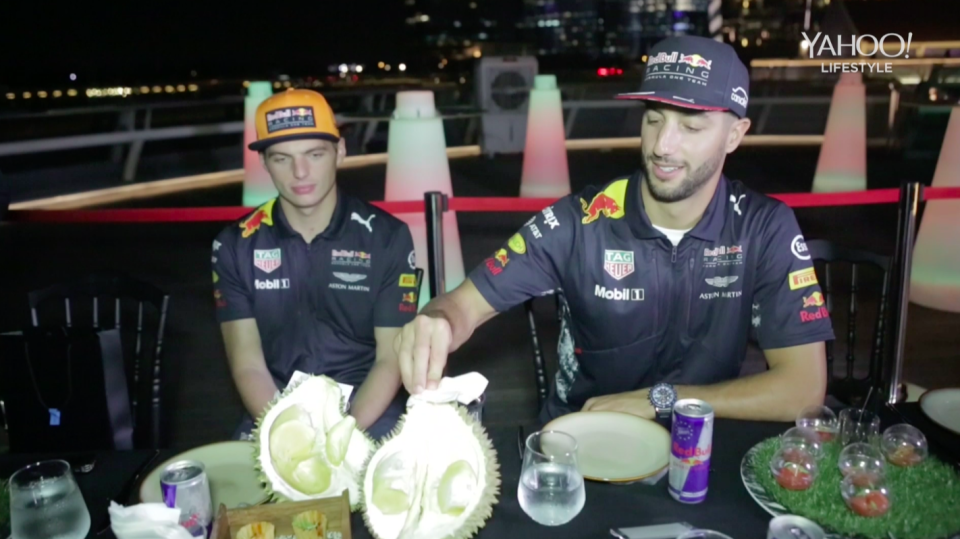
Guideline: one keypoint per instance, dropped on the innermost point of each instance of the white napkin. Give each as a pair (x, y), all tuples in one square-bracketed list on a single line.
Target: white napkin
[(465, 389), (146, 521)]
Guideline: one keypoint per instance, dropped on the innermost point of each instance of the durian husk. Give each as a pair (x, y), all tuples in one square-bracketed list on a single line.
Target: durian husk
[(491, 490), (310, 525), (256, 530), (274, 496)]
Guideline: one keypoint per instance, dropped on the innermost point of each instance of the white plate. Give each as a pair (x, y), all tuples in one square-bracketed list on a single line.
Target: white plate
[(616, 447), (942, 406), (230, 471)]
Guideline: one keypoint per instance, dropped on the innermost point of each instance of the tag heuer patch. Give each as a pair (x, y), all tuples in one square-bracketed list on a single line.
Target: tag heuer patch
[(266, 259), (290, 118), (618, 264)]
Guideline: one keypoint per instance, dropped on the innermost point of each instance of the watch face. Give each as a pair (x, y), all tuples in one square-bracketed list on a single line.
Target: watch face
[(662, 396)]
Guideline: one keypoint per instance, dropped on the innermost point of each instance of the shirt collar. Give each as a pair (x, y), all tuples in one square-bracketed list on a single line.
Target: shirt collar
[(707, 229), (333, 230)]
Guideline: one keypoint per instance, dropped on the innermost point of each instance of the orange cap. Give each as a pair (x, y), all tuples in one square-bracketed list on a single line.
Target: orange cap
[(294, 115)]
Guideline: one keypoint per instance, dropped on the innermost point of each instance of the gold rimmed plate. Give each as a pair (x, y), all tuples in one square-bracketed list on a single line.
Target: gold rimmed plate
[(615, 447), (233, 479)]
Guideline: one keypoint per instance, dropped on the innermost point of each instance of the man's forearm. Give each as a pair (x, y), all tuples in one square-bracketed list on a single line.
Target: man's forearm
[(256, 388), (461, 325), (376, 393), (768, 396)]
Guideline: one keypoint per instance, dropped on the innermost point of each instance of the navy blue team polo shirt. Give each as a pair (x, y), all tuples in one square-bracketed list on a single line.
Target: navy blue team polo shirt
[(316, 304), (637, 310)]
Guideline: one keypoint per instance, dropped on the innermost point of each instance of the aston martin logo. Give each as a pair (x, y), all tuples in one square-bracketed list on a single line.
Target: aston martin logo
[(349, 277), (722, 282)]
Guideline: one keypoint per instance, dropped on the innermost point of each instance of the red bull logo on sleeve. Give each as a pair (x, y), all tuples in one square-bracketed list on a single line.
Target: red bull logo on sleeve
[(263, 216), (609, 203), (814, 300), (410, 297), (499, 257)]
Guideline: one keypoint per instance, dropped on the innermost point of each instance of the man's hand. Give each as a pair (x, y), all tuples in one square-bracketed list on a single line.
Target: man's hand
[(422, 347), (631, 402)]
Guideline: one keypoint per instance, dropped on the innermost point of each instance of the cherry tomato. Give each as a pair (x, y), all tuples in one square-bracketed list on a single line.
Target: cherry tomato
[(794, 478), (904, 456), (864, 479), (826, 436), (796, 456), (871, 505)]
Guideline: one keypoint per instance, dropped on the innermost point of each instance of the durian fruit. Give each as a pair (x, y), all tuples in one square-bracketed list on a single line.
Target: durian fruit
[(436, 477), (307, 446)]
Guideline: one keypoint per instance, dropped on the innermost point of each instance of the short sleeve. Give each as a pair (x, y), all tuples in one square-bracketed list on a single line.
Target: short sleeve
[(398, 298), (789, 308), (531, 262), (231, 297)]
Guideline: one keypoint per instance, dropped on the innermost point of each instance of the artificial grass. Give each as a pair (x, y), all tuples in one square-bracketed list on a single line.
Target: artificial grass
[(925, 499)]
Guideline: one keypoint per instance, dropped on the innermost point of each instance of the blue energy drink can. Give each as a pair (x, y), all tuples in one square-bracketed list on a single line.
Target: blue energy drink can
[(691, 444), (184, 485)]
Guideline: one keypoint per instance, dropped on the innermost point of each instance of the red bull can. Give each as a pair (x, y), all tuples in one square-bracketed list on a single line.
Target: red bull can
[(184, 485), (691, 444)]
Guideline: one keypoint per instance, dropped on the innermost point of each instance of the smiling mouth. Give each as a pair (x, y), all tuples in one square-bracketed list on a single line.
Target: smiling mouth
[(303, 189)]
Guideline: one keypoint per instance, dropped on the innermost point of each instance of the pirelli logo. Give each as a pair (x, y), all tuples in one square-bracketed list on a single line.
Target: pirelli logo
[(408, 280), (802, 278)]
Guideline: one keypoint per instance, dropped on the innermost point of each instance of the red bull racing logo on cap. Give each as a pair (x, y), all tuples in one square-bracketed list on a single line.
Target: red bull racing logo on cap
[(608, 203), (693, 68), (263, 215), (695, 60), (290, 118)]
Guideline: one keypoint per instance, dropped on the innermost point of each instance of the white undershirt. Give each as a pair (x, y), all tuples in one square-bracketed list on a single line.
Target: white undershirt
[(672, 234)]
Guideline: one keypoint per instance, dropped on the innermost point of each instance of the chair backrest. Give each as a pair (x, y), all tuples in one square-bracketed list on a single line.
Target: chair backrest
[(110, 291), (849, 388), (541, 377)]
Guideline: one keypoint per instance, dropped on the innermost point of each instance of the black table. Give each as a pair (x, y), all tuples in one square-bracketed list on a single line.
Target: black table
[(728, 507)]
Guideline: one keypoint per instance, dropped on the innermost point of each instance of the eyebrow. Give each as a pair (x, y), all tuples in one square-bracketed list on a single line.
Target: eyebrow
[(311, 150)]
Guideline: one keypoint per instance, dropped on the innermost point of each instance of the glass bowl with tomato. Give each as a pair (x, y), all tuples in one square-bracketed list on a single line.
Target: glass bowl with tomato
[(794, 467), (821, 420), (904, 445), (866, 493), (860, 457), (803, 438)]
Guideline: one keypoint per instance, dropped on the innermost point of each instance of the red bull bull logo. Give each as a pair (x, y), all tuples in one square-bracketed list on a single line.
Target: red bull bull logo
[(814, 300), (263, 215), (609, 203), (410, 297), (501, 257), (695, 60)]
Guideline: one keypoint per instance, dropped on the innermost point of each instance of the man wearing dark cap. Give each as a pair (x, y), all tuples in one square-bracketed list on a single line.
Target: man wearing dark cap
[(662, 275), (313, 280)]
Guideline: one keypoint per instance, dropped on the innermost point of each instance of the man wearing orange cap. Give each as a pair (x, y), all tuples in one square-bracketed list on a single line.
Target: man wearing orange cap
[(314, 280)]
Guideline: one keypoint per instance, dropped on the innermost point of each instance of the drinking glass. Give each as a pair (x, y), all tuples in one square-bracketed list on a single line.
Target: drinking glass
[(857, 425), (551, 489), (46, 503)]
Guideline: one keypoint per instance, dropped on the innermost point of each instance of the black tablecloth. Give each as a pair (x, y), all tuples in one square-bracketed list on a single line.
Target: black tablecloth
[(728, 507)]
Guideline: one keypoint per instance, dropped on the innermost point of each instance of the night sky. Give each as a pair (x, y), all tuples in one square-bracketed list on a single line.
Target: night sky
[(141, 40)]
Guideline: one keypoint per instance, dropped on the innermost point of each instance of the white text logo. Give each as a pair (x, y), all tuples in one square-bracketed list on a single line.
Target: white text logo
[(799, 248), (859, 46), (619, 294), (549, 218), (272, 284)]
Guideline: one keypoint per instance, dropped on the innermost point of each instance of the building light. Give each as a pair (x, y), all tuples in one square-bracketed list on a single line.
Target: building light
[(286, 84), (71, 92), (168, 89), (386, 67), (380, 65), (744, 42), (144, 89), (477, 53), (41, 94), (11, 96), (246, 84), (463, 80), (73, 76), (344, 68), (181, 88), (424, 18), (193, 87), (402, 67), (473, 5), (27, 95), (276, 85)]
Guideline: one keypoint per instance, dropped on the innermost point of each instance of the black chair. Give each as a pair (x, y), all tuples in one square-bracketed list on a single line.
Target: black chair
[(539, 364), (83, 299), (848, 388)]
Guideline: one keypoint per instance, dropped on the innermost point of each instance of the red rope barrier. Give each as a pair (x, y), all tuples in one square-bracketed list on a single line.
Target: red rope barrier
[(465, 204)]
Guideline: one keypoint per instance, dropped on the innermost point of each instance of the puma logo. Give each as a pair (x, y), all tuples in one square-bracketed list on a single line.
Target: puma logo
[(355, 217), (736, 203)]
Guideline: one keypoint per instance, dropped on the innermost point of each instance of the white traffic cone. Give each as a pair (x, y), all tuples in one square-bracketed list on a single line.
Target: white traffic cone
[(545, 170), (257, 185), (842, 165)]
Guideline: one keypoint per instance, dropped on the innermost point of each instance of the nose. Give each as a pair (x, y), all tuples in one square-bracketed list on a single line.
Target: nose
[(668, 140), (301, 167)]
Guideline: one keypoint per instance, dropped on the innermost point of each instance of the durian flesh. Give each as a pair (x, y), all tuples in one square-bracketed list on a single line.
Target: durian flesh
[(436, 477), (307, 447)]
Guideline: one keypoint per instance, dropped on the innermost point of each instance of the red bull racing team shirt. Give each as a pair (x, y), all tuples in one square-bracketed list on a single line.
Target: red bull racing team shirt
[(317, 304), (637, 310)]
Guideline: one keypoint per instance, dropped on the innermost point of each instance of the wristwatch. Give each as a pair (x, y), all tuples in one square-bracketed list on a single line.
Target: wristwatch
[(662, 397)]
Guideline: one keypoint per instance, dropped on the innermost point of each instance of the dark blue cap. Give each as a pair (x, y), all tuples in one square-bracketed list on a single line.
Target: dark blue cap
[(696, 73)]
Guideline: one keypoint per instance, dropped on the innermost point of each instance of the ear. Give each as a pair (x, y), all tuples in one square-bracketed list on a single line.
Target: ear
[(341, 151), (738, 130)]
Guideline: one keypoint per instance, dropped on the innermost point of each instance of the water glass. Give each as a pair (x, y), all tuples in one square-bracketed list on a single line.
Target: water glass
[(858, 425), (46, 503), (551, 489)]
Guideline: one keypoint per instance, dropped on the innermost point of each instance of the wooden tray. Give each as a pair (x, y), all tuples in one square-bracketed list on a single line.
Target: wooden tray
[(337, 510)]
